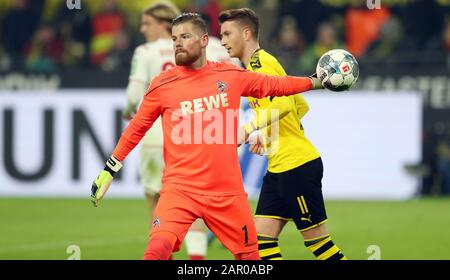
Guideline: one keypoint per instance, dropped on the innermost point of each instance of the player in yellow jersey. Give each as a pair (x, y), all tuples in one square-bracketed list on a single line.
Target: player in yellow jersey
[(292, 188)]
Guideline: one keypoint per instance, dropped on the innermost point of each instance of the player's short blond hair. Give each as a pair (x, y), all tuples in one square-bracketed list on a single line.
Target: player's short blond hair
[(162, 11), (244, 16)]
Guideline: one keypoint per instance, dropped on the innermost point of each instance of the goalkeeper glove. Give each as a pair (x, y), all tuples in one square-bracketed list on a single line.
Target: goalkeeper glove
[(104, 180), (316, 82)]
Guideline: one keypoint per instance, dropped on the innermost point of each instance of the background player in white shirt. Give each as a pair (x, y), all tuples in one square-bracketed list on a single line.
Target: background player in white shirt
[(149, 60)]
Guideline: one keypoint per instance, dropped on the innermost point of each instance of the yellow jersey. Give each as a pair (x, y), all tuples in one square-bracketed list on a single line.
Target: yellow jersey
[(289, 148)]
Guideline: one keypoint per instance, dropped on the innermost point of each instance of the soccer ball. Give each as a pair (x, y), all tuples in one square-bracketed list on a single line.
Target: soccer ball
[(338, 70)]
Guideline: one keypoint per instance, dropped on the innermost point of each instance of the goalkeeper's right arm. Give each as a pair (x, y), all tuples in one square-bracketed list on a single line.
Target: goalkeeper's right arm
[(149, 111)]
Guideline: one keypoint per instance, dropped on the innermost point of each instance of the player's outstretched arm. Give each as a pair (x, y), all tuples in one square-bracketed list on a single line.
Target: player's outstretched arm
[(277, 109), (260, 85)]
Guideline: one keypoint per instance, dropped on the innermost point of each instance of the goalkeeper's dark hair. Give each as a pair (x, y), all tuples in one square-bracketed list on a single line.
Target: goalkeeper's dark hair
[(244, 16), (194, 18)]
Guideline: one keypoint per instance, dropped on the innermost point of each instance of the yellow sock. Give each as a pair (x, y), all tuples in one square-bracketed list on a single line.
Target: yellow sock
[(324, 248), (268, 247)]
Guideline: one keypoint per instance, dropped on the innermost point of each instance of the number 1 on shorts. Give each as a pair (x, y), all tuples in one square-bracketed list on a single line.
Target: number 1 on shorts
[(245, 234)]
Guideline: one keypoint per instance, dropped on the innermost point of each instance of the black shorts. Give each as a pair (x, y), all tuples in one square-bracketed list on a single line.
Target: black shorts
[(295, 195)]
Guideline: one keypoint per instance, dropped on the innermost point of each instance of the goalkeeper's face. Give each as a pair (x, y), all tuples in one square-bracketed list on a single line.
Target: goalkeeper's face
[(232, 36), (189, 43)]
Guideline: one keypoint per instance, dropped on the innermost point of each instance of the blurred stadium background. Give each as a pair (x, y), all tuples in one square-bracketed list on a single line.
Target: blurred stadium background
[(385, 145)]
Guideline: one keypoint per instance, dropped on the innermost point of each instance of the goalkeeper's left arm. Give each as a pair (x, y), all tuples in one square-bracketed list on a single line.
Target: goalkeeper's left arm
[(279, 107)]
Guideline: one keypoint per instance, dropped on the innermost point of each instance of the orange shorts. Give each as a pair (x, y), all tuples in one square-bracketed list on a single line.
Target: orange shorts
[(228, 217)]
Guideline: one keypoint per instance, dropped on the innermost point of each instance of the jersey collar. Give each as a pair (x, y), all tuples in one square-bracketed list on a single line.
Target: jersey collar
[(185, 69)]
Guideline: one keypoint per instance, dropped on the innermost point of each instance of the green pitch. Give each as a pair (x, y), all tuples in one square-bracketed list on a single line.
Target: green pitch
[(36, 228)]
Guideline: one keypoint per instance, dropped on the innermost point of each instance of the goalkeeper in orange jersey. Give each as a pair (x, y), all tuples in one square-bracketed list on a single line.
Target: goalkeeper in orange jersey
[(149, 60), (198, 101), (292, 188)]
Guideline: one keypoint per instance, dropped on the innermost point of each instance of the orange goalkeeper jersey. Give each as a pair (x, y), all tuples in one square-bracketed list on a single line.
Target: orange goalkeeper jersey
[(200, 114)]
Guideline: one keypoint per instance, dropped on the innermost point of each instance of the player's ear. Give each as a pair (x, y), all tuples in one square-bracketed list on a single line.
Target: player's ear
[(247, 33), (204, 40)]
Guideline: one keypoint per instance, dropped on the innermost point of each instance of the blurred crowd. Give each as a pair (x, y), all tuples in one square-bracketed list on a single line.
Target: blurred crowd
[(45, 35)]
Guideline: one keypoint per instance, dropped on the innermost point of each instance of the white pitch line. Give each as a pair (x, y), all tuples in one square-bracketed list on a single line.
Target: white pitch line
[(64, 244)]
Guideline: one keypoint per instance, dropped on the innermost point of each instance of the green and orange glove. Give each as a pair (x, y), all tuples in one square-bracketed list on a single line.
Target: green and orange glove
[(316, 82)]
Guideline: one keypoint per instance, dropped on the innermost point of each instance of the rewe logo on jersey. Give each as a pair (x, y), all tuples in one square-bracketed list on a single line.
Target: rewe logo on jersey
[(198, 105)]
